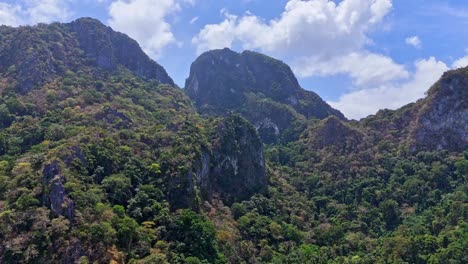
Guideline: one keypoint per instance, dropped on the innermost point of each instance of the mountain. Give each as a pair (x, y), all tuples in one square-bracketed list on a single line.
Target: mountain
[(438, 121), (262, 89), (91, 126), (104, 160), (33, 56), (442, 119)]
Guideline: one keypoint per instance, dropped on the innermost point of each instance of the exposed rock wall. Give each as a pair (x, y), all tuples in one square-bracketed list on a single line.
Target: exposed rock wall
[(110, 49), (232, 169), (442, 121), (238, 162), (55, 196)]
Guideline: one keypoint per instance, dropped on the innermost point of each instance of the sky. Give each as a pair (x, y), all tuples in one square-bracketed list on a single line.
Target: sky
[(358, 55)]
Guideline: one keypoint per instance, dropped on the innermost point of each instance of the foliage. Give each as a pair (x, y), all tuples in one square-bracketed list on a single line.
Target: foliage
[(128, 153)]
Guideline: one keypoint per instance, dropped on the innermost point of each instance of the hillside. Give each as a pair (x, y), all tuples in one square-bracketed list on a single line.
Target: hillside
[(104, 160), (90, 126)]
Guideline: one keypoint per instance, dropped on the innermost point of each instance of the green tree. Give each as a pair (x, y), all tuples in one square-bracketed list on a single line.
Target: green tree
[(390, 213), (118, 188)]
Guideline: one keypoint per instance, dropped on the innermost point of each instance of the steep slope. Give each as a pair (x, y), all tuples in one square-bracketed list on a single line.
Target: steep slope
[(33, 56), (95, 140), (262, 89), (438, 121), (381, 187), (102, 160), (442, 119), (334, 136), (108, 49)]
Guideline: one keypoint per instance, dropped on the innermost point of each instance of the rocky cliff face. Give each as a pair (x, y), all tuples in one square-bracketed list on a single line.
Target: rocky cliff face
[(221, 81), (438, 121), (34, 55), (108, 49), (233, 169), (238, 163), (55, 196), (442, 119)]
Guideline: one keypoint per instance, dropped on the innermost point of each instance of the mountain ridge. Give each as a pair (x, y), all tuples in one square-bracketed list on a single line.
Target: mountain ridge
[(49, 50), (104, 160)]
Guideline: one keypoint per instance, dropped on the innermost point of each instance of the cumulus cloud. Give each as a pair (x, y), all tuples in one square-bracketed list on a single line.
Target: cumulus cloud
[(366, 69), (317, 37), (47, 11), (360, 103), (325, 38), (33, 11), (460, 63), (146, 22), (305, 27), (216, 35), (413, 41), (10, 14)]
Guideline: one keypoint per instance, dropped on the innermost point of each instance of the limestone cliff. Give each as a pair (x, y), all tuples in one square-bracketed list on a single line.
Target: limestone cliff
[(442, 119), (257, 86)]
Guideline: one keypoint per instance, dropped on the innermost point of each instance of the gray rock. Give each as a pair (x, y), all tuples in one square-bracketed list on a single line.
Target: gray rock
[(110, 48), (442, 121), (55, 196), (232, 170)]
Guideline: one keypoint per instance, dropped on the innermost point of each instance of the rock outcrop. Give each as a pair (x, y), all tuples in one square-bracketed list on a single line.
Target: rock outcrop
[(109, 48), (438, 121), (238, 162), (442, 119), (233, 169), (31, 56), (55, 196), (255, 85)]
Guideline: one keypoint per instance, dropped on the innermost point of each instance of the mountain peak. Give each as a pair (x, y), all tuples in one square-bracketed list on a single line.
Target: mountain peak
[(239, 72), (110, 49), (90, 20), (34, 55), (442, 119), (261, 88)]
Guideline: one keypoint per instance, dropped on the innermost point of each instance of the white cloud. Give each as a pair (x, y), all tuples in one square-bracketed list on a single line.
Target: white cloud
[(324, 38), (189, 2), (47, 11), (366, 69), (33, 11), (460, 63), (318, 37), (10, 14), (358, 104), (145, 21), (216, 35), (414, 41), (193, 20), (305, 27)]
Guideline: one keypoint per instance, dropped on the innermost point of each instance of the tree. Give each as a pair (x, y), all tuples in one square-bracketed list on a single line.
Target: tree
[(195, 235), (118, 187), (390, 213)]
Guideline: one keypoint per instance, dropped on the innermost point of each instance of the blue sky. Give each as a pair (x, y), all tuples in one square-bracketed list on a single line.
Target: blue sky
[(359, 55)]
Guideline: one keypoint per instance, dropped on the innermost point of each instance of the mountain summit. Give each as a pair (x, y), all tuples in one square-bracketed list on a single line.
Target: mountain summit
[(436, 122), (259, 87), (33, 56), (442, 119)]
